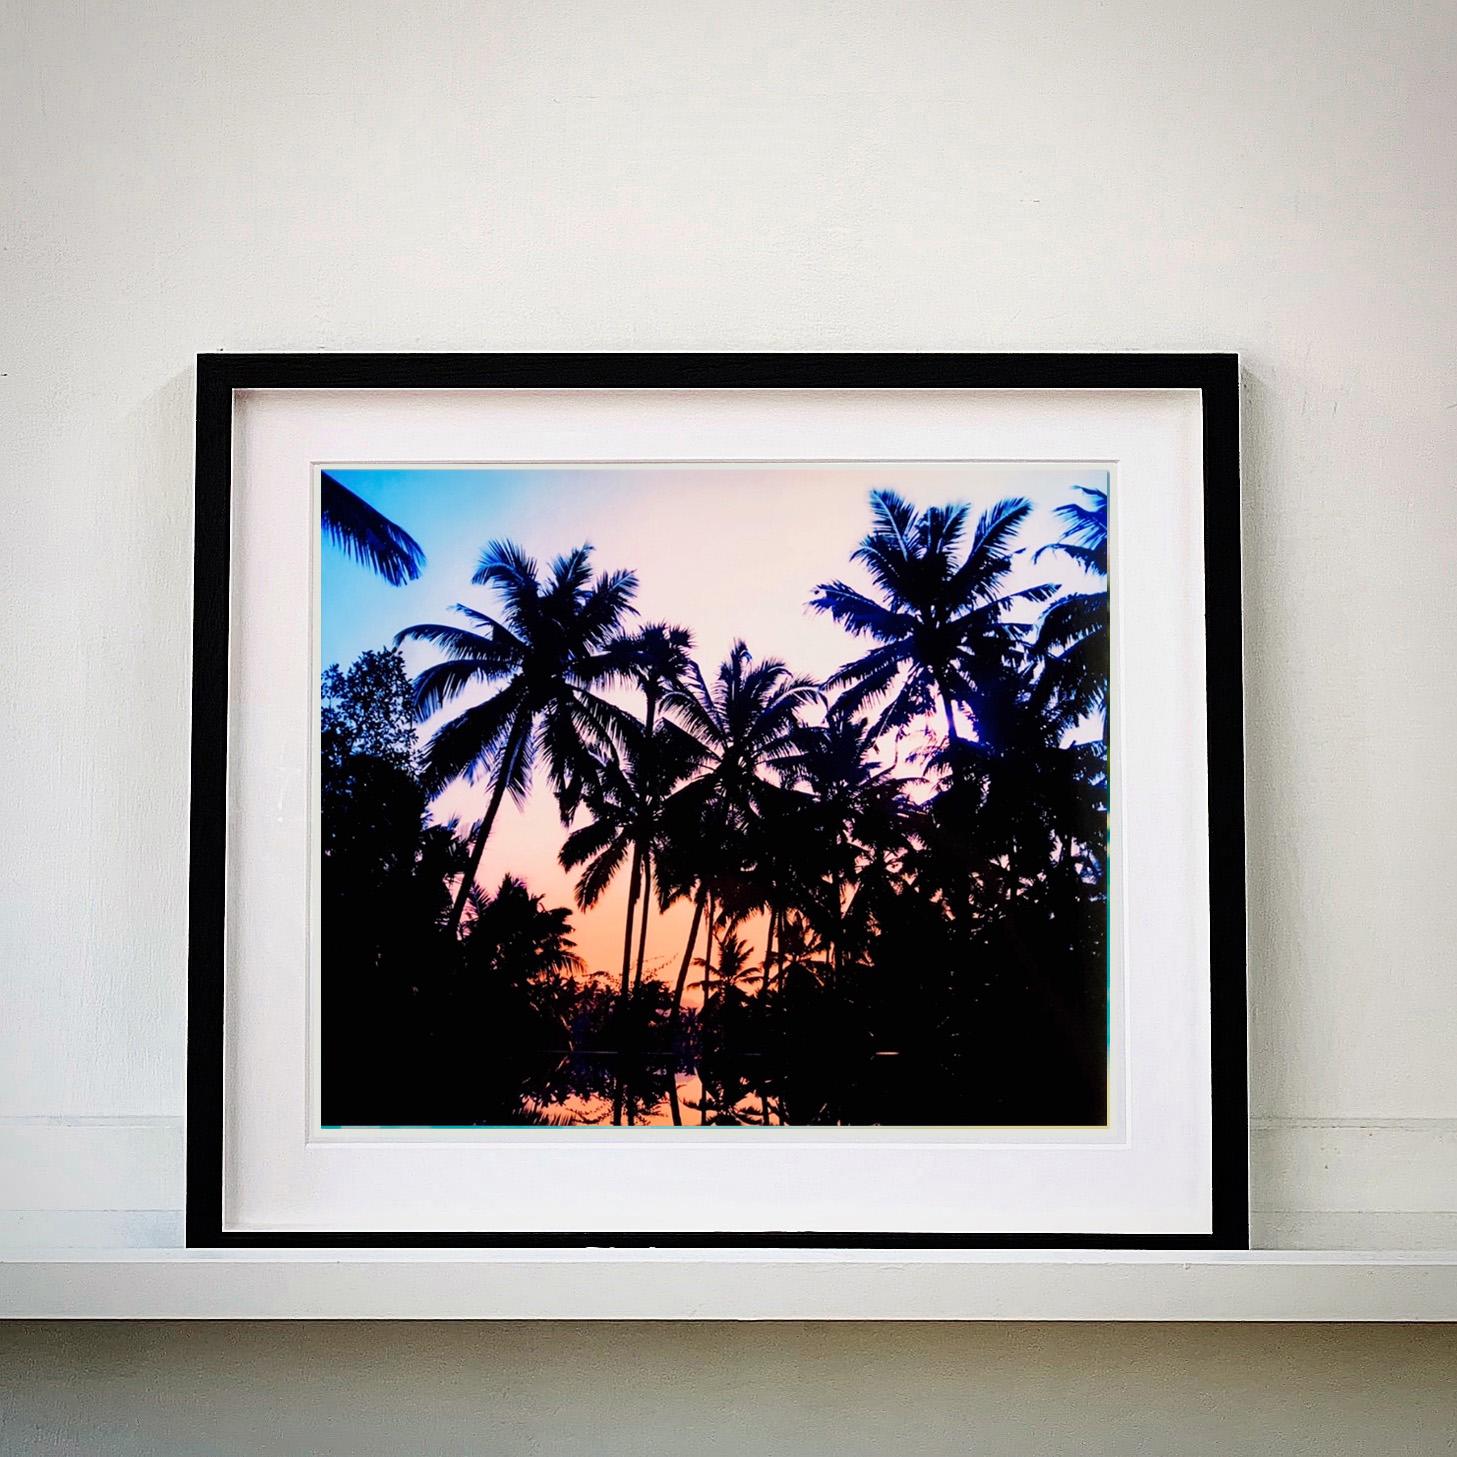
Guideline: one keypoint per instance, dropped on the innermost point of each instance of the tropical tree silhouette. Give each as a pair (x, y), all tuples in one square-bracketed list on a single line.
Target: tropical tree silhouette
[(744, 725), (548, 648), (1085, 530), (942, 620), (368, 708), (367, 535), (735, 967), (384, 870), (1073, 639), (1027, 798), (624, 797), (654, 659), (856, 820), (780, 857), (515, 937)]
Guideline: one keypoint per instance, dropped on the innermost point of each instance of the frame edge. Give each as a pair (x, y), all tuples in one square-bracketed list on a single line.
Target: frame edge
[(1216, 375)]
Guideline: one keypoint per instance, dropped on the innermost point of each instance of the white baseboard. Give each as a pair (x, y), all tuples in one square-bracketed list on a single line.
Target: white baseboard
[(98, 1164), (1353, 1165)]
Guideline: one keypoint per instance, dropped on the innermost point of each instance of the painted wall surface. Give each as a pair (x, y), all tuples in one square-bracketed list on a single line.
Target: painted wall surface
[(1275, 179)]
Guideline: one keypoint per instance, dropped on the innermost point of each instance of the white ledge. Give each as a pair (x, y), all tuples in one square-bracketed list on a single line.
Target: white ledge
[(1039, 1285)]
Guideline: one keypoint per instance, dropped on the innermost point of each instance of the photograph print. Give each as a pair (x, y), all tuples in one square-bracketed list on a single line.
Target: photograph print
[(714, 796)]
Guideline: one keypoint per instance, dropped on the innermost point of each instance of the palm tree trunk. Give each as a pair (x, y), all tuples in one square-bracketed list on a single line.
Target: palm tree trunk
[(640, 860), (631, 908), (953, 735), (647, 907), (768, 949), (708, 953), (687, 956), (513, 744), (838, 934)]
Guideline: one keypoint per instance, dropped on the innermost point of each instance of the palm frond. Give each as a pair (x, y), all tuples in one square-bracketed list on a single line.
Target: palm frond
[(1084, 556), (873, 663), (940, 530), (600, 872), (599, 616), (987, 561), (437, 684), (460, 642), (1070, 619), (367, 535), (863, 683), (693, 705), (1086, 525), (570, 573), (585, 842), (464, 746), (861, 615), (503, 564), (499, 632)]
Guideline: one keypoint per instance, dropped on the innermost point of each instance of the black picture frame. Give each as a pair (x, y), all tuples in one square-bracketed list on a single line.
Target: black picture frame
[(1215, 376)]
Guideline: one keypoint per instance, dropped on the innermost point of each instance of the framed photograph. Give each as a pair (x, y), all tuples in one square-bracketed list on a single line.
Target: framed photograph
[(717, 800)]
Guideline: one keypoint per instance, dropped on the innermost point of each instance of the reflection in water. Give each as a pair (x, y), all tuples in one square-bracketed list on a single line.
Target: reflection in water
[(596, 1089), (804, 1053), (601, 1089)]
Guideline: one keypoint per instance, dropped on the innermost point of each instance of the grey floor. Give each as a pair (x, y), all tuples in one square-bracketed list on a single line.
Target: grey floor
[(360, 1389)]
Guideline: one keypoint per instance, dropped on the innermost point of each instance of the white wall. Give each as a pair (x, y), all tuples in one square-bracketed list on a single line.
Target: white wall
[(1274, 178)]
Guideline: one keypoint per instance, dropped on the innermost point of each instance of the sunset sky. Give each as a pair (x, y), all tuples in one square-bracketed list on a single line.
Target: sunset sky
[(728, 552)]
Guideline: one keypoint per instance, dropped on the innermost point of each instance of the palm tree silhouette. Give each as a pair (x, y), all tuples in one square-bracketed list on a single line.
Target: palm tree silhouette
[(942, 621), (515, 936), (550, 649), (1028, 801), (1074, 634), (654, 659), (745, 727), (365, 534), (624, 796), (734, 966), (855, 819)]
